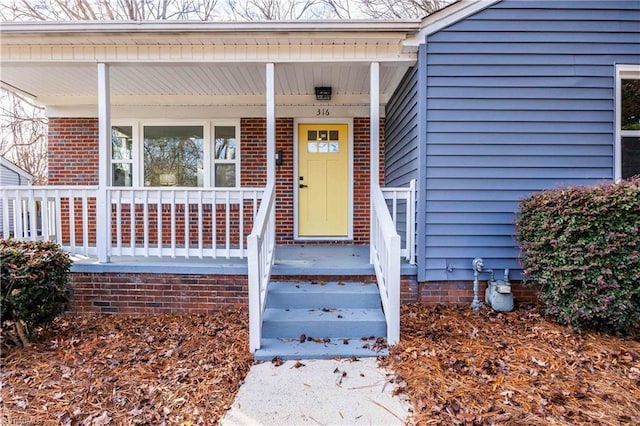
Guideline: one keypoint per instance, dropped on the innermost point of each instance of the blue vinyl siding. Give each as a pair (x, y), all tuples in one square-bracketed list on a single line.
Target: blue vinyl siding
[(401, 133), (401, 140), (519, 98)]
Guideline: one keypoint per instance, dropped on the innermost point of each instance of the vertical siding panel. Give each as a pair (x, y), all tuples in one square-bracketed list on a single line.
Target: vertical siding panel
[(519, 98)]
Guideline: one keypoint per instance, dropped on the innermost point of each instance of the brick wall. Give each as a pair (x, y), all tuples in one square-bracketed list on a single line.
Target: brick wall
[(136, 293), (120, 293), (253, 146), (73, 160), (73, 151), (455, 292)]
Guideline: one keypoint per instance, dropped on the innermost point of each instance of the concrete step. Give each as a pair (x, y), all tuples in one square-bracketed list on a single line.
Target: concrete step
[(299, 295), (323, 322), (337, 320), (342, 347)]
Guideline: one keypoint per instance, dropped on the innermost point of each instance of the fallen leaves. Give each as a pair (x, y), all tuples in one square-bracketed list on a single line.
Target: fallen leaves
[(457, 366), (465, 368), (113, 370)]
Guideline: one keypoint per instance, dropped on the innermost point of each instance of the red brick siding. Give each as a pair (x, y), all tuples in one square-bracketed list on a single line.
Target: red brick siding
[(361, 176), (132, 293), (455, 292), (253, 151), (179, 224), (119, 293), (73, 160), (73, 151)]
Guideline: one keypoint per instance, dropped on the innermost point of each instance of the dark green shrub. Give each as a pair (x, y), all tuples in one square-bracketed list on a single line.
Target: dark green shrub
[(581, 248), (33, 277)]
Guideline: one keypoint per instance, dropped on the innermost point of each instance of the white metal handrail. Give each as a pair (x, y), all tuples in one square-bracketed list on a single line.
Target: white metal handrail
[(385, 256), (407, 196), (261, 243)]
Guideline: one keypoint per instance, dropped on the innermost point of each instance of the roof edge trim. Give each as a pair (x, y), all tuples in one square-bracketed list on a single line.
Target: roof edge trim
[(111, 27), (450, 15)]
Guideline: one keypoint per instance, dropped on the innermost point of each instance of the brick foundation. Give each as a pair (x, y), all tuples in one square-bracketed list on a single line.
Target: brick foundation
[(455, 292), (135, 293), (127, 293)]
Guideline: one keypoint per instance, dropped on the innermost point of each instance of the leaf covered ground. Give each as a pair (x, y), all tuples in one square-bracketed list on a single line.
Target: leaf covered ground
[(469, 368), (152, 370), (456, 366)]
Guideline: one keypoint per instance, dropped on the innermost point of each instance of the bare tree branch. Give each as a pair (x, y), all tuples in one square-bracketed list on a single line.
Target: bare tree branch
[(82, 10), (23, 132), (341, 9), (266, 10), (401, 9)]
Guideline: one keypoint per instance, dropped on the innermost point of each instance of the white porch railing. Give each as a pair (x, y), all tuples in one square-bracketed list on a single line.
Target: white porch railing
[(385, 256), (181, 222), (163, 222), (261, 244), (404, 199), (64, 214)]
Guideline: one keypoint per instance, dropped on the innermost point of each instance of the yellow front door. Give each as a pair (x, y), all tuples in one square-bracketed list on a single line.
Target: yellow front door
[(323, 180)]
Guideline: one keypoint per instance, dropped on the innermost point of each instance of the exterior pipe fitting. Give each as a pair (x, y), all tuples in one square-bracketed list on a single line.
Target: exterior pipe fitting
[(477, 264)]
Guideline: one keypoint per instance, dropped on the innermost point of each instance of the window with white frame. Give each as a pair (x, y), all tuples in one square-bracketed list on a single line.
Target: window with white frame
[(628, 122), (176, 154), (225, 157), (122, 155)]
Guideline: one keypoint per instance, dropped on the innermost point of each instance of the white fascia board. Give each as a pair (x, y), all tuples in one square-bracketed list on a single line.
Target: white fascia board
[(443, 18), (365, 52), (185, 27)]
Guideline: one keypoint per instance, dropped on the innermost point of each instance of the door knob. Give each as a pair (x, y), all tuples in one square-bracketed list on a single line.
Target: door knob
[(302, 185)]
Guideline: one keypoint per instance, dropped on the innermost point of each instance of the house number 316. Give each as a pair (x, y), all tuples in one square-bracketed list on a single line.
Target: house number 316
[(323, 111)]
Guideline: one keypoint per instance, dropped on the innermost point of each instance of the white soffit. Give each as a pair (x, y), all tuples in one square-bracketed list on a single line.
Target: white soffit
[(196, 63), (190, 83)]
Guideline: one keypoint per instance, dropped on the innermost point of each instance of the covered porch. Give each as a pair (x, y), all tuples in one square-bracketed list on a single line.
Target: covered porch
[(116, 93)]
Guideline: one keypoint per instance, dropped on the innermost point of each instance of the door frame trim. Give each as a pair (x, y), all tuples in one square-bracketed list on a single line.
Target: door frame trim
[(336, 120)]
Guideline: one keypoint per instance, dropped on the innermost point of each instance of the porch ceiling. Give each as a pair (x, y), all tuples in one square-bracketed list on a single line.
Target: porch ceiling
[(53, 84), (203, 64)]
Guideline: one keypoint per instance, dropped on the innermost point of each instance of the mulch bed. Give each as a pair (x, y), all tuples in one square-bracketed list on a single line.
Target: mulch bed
[(467, 368), (456, 366), (152, 370)]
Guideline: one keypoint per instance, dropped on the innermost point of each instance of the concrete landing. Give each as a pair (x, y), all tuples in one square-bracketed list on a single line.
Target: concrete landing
[(322, 392)]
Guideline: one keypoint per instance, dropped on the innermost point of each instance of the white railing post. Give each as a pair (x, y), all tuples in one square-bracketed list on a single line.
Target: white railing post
[(103, 205), (385, 255), (260, 256), (5, 215), (255, 314), (408, 194), (411, 222), (393, 288)]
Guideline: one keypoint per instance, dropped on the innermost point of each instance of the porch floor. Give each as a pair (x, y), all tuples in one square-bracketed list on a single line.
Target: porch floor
[(314, 259)]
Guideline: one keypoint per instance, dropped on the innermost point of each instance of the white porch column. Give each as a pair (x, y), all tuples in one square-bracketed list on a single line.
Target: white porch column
[(103, 220), (374, 140), (271, 123), (375, 123)]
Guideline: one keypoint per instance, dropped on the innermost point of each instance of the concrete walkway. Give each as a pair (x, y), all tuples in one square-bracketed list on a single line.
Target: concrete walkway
[(318, 392)]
